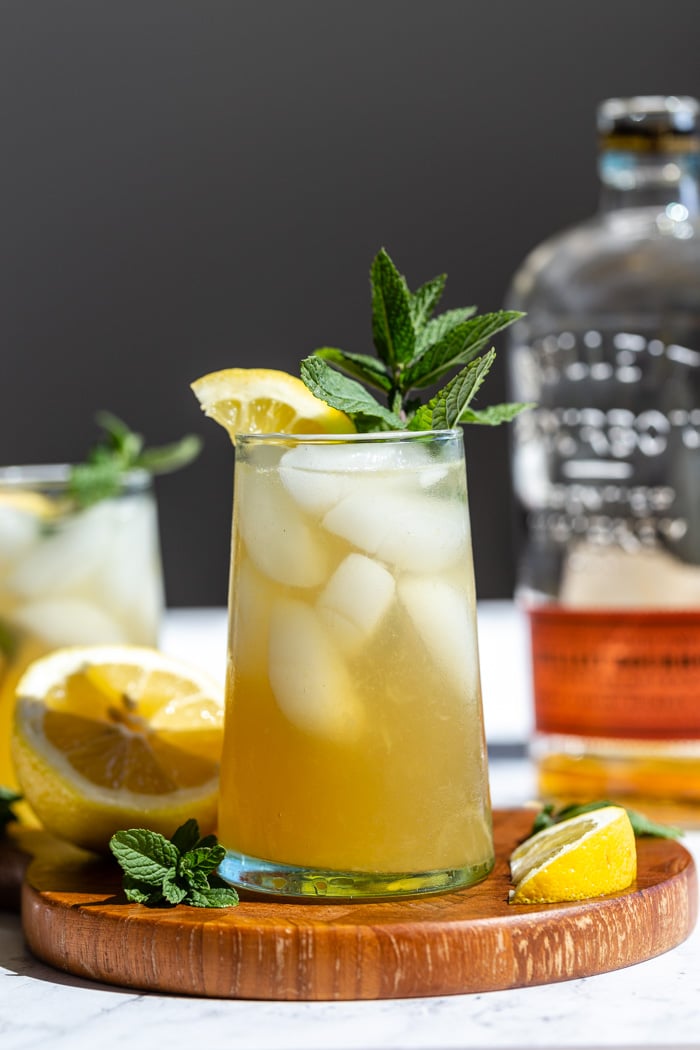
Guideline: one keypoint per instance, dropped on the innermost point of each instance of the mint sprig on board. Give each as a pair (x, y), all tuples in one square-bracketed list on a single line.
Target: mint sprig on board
[(414, 351), (641, 825), (121, 450), (161, 872), (8, 797)]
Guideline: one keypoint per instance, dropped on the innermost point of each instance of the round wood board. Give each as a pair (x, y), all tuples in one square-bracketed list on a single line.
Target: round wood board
[(75, 917)]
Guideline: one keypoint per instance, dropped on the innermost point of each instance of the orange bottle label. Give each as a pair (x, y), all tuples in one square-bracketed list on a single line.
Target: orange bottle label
[(616, 673)]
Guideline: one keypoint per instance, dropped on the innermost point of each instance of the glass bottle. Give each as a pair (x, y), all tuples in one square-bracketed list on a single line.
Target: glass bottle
[(606, 472)]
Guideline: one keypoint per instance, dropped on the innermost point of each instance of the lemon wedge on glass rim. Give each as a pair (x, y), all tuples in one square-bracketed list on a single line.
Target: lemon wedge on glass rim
[(266, 401), (118, 736), (588, 855)]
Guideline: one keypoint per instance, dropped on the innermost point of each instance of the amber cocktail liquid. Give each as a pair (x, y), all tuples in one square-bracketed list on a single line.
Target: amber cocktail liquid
[(354, 760)]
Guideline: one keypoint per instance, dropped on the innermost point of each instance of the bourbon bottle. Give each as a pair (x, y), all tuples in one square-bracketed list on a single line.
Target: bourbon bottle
[(606, 472)]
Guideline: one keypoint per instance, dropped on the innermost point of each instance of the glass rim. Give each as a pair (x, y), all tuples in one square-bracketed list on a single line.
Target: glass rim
[(57, 476), (353, 438)]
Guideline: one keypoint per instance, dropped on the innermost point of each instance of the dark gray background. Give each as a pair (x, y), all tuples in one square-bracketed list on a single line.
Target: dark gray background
[(186, 186)]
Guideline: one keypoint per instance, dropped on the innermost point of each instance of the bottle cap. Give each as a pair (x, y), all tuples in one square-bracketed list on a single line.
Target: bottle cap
[(650, 124)]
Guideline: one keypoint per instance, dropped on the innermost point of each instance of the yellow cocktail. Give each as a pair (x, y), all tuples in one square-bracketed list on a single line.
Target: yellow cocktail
[(354, 759)]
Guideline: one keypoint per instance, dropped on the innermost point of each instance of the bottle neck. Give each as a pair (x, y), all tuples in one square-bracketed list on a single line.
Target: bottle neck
[(632, 179)]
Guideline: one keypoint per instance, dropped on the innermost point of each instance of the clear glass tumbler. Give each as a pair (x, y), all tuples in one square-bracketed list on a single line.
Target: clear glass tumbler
[(71, 575), (354, 762)]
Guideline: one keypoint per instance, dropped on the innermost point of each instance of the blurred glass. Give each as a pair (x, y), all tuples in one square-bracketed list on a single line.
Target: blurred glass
[(72, 575)]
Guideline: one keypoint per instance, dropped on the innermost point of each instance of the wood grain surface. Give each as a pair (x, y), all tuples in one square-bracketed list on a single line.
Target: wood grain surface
[(75, 918)]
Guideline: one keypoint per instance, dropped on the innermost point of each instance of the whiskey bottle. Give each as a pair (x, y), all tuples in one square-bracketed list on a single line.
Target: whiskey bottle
[(606, 472)]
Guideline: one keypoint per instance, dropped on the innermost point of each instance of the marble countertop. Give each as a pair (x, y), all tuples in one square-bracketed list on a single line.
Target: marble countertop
[(653, 1004)]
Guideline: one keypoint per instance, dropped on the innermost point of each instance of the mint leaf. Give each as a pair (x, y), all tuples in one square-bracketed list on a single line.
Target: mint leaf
[(120, 451), (214, 897), (124, 443), (186, 837), (173, 891), (437, 328), (392, 319), (203, 859), (91, 482), (167, 458), (457, 347), (494, 414), (180, 870), (414, 351), (369, 369), (425, 299), (145, 855), (8, 797), (444, 411), (140, 892), (641, 825), (349, 396)]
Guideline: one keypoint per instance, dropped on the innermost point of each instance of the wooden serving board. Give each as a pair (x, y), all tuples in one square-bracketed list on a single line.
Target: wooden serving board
[(75, 917)]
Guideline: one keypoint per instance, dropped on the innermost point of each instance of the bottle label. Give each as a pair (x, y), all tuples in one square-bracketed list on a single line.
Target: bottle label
[(616, 673)]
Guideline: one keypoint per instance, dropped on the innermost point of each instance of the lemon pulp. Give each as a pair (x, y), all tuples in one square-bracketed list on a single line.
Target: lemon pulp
[(266, 401), (108, 737)]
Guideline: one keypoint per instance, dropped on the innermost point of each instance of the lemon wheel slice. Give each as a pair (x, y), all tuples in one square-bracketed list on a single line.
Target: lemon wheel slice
[(111, 737), (266, 401), (588, 855)]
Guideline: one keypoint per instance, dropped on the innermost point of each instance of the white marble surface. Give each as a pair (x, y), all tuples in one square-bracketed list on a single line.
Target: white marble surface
[(654, 1004)]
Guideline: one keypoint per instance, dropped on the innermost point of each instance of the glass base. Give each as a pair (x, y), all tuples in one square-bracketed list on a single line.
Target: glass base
[(284, 880)]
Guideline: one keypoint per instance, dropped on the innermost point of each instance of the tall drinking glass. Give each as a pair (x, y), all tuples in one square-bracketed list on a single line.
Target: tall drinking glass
[(354, 761), (71, 575)]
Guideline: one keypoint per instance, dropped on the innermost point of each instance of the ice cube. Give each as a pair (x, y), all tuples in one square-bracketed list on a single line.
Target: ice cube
[(18, 531), (413, 532), (129, 579), (308, 677), (355, 600), (442, 617), (67, 554), (318, 476), (278, 540), (69, 621), (252, 602)]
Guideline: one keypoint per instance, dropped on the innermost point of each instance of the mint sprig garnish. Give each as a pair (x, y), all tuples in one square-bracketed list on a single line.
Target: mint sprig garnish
[(8, 797), (120, 451), (641, 825), (415, 351), (161, 872)]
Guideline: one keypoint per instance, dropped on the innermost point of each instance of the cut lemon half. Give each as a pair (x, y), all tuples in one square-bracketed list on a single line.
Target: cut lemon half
[(586, 856), (266, 401), (112, 737)]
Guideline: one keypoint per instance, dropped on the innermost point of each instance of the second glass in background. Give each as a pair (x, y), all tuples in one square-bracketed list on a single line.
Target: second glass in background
[(72, 575)]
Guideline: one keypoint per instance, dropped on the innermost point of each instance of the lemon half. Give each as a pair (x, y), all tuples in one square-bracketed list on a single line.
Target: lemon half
[(585, 856), (112, 737), (266, 401)]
